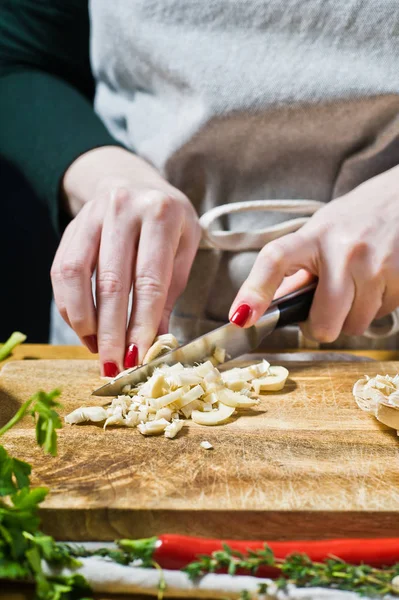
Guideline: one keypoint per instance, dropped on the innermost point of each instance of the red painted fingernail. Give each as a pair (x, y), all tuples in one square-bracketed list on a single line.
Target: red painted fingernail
[(131, 356), (91, 342), (241, 315), (110, 369)]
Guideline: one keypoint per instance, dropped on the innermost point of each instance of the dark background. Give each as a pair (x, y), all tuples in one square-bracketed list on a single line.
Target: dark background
[(27, 247)]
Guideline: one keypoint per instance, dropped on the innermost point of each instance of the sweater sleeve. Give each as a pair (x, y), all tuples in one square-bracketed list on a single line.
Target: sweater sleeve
[(46, 92)]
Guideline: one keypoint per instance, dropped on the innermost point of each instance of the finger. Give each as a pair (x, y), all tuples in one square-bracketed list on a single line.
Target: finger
[(283, 256), (113, 280), (56, 275), (332, 302), (390, 301), (77, 265), (294, 282), (365, 306), (153, 274), (183, 262)]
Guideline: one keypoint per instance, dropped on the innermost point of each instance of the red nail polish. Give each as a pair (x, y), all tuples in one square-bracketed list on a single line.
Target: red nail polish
[(91, 342), (241, 315), (110, 369), (131, 356)]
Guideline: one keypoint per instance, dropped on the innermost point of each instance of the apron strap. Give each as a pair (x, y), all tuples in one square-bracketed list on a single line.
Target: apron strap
[(255, 239)]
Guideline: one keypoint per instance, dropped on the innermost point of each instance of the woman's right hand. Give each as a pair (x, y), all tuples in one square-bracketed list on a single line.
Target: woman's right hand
[(137, 231)]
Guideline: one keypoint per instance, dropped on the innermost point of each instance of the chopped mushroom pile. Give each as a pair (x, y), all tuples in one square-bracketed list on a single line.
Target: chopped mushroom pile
[(175, 393), (379, 396)]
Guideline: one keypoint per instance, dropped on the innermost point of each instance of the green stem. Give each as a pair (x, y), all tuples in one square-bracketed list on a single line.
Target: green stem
[(143, 549), (17, 417), (14, 340)]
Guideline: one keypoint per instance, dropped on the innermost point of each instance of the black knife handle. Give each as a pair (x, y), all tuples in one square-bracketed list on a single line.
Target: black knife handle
[(295, 307)]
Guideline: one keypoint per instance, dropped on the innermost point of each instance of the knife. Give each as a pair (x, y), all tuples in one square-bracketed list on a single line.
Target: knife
[(288, 310)]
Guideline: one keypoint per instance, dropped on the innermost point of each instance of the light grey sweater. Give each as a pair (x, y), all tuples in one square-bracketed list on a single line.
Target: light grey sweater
[(238, 100)]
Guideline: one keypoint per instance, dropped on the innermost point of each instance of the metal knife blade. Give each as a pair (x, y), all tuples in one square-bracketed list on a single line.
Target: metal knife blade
[(235, 341)]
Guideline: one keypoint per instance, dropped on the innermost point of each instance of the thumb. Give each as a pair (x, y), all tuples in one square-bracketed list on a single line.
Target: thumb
[(278, 258)]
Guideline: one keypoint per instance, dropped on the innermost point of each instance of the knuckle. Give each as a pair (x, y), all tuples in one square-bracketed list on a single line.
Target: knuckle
[(358, 251), (78, 323), (273, 254), (163, 205), (109, 283), (72, 269), (120, 198), (108, 340), (149, 284), (55, 273)]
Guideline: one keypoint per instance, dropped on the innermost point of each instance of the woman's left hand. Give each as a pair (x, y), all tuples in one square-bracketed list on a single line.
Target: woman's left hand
[(352, 246)]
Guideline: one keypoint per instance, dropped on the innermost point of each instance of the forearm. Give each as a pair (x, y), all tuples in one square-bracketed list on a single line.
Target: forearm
[(45, 124)]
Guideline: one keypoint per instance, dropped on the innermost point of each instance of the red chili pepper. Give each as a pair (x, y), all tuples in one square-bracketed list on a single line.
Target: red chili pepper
[(177, 551)]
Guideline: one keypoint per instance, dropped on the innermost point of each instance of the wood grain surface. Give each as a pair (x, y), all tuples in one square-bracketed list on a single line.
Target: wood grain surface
[(307, 463)]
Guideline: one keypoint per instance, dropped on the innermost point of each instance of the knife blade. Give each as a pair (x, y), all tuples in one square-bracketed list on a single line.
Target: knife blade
[(288, 310)]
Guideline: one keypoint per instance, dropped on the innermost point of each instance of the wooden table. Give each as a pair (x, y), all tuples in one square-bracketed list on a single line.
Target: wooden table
[(31, 351)]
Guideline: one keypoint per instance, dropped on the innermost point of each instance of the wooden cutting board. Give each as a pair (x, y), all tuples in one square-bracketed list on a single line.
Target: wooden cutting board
[(307, 463)]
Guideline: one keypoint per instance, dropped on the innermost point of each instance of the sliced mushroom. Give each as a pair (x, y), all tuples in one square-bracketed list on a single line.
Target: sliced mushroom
[(215, 417), (236, 400), (163, 344), (173, 428), (388, 415), (96, 414), (275, 381)]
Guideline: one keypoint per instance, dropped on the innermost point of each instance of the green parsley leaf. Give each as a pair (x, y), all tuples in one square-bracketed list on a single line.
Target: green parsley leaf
[(47, 420), (14, 473)]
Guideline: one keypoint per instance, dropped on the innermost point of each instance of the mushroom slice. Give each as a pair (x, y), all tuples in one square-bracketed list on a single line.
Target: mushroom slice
[(188, 409), (187, 377), (206, 445), (204, 368), (214, 417), (163, 344), (155, 386), (388, 415), (153, 427), (367, 396), (259, 369), (96, 414), (237, 385), (132, 419), (236, 400), (219, 354), (158, 403), (195, 393), (164, 413), (173, 428), (275, 381)]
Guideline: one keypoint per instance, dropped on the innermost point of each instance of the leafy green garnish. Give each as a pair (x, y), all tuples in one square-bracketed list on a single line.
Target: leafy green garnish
[(47, 420), (14, 340), (14, 473), (299, 570), (41, 406), (22, 545)]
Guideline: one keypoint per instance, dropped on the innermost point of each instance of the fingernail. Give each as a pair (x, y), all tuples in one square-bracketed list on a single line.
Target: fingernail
[(91, 342), (240, 317), (131, 356), (110, 369)]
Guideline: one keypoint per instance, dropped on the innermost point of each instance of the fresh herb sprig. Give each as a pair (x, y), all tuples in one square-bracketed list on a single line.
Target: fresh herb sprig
[(22, 545), (299, 570)]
